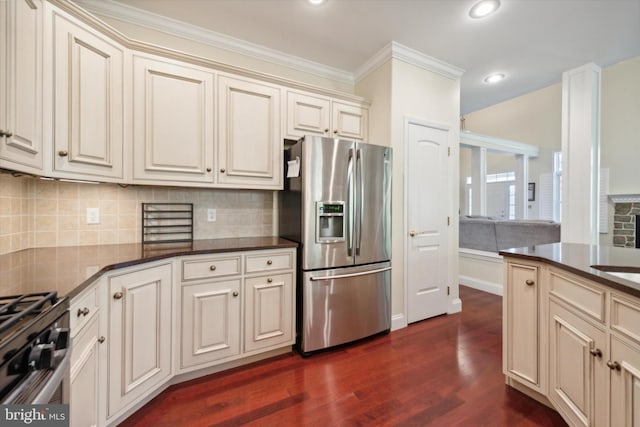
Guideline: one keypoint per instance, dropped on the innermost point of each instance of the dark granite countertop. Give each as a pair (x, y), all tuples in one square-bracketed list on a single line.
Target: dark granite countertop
[(68, 270), (580, 259)]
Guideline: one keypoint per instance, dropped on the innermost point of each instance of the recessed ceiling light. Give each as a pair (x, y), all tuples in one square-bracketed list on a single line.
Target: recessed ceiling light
[(494, 78), (483, 8), (316, 2)]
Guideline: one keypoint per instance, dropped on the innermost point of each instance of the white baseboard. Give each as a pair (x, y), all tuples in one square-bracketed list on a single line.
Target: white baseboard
[(398, 321), (455, 306), (492, 288)]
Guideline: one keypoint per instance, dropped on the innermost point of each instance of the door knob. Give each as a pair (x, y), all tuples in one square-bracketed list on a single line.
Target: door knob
[(412, 233)]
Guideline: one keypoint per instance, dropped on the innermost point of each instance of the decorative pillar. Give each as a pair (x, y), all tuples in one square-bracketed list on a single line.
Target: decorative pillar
[(580, 154), (522, 186), (479, 181)]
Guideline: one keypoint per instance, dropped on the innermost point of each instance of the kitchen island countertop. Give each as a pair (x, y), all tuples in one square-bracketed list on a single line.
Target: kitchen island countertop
[(580, 259), (68, 270)]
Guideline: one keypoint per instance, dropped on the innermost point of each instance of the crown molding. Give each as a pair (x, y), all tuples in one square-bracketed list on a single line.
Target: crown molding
[(411, 56), (174, 27)]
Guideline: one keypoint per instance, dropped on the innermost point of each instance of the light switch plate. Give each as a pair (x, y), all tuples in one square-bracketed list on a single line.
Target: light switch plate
[(93, 215), (211, 215)]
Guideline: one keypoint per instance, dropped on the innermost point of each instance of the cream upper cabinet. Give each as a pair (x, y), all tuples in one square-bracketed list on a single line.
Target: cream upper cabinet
[(250, 142), (314, 114), (524, 350), (140, 328), (173, 121), (21, 24), (88, 109)]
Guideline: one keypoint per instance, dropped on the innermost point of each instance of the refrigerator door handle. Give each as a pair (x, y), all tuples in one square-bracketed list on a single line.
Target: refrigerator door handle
[(360, 201), (349, 204), (346, 276)]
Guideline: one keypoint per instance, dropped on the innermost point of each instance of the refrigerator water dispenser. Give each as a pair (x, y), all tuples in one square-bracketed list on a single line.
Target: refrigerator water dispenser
[(330, 224)]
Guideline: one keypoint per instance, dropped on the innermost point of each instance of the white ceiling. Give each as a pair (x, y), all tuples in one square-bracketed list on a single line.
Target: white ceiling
[(531, 41)]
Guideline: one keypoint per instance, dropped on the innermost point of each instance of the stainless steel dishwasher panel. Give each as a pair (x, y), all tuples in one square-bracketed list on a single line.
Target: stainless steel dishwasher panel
[(344, 304)]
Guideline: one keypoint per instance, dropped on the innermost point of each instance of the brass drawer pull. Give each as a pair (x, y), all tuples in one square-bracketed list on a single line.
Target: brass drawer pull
[(212, 268), (101, 339), (596, 352), (269, 262), (613, 365), (236, 293), (83, 311), (530, 282), (63, 153), (118, 295), (269, 280)]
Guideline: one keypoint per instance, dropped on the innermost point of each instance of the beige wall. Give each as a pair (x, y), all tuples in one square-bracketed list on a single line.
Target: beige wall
[(181, 44), (38, 213), (400, 90)]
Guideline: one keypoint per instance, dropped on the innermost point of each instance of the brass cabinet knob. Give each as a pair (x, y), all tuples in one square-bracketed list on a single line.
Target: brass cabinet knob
[(236, 293), (326, 131), (613, 365), (63, 153), (118, 295), (101, 339), (596, 352), (8, 134), (2, 133), (212, 268), (412, 233), (222, 170), (269, 280), (335, 131), (83, 311), (208, 169), (529, 282), (269, 262)]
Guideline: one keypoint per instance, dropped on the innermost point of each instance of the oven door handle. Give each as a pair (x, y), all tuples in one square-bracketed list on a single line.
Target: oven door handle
[(54, 381), (45, 391)]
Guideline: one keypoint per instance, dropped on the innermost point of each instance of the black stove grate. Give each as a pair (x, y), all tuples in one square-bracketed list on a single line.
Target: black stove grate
[(15, 308)]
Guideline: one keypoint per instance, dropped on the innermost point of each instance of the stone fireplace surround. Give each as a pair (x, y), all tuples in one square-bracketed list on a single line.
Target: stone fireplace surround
[(624, 220)]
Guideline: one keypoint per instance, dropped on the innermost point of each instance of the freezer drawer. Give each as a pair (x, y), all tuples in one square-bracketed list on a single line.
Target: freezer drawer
[(344, 304)]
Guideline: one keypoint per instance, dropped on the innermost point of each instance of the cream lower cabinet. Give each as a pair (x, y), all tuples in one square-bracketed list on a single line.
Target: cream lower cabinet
[(249, 138), (524, 326), (21, 133), (140, 328), (88, 105), (313, 114), (577, 368)]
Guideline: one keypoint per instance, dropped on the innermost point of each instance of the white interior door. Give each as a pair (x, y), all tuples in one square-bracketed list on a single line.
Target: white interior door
[(427, 201)]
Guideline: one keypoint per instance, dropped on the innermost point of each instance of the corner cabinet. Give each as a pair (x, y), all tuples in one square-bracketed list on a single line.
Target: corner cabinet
[(249, 140), (140, 328), (309, 113), (173, 121), (587, 344), (21, 132), (88, 106)]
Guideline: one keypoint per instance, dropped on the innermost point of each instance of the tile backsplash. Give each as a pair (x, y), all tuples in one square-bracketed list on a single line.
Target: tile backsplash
[(40, 213)]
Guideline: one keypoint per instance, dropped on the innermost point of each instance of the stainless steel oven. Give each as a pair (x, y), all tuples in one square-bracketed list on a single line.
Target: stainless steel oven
[(35, 349)]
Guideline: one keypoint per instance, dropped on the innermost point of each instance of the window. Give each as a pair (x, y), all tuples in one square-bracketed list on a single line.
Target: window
[(557, 186)]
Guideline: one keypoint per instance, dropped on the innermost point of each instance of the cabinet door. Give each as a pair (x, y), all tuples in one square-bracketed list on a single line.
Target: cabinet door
[(268, 311), (577, 370), (250, 143), (210, 322), (173, 121), (522, 330), (625, 383), (139, 334), (307, 114), (21, 84), (349, 120), (84, 376), (88, 107)]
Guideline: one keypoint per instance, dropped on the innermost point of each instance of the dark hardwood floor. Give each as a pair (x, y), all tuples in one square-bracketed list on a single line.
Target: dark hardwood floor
[(445, 371)]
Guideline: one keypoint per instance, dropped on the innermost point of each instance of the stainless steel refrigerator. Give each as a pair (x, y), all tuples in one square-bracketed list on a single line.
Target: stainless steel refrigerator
[(337, 205)]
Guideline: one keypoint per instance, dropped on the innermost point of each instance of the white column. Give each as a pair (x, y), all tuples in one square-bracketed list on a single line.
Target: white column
[(522, 186), (479, 181), (580, 154)]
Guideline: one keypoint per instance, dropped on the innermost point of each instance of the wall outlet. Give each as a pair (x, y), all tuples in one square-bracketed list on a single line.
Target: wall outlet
[(93, 215), (211, 215)]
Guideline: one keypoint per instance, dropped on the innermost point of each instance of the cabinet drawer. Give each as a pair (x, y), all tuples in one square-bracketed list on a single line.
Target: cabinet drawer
[(83, 308), (269, 261), (202, 268), (576, 292), (625, 317)]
